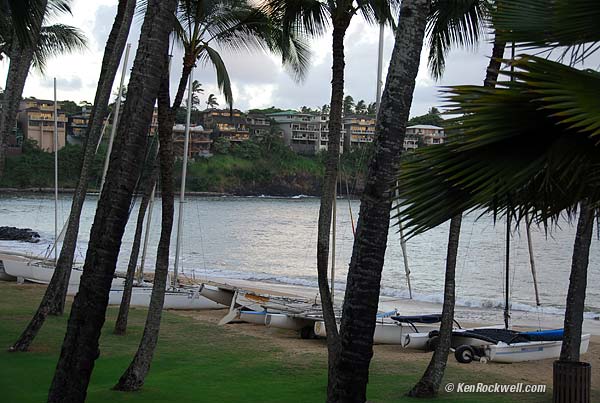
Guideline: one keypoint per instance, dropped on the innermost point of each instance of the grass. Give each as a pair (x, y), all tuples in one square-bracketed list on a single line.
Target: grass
[(197, 362)]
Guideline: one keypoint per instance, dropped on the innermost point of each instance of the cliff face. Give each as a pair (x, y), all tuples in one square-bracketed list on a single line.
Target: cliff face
[(281, 185)]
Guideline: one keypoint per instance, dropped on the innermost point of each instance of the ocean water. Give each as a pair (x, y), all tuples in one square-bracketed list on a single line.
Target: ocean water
[(274, 240)]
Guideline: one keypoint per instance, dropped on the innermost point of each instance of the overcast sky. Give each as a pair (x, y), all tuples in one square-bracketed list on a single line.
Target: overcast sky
[(258, 79)]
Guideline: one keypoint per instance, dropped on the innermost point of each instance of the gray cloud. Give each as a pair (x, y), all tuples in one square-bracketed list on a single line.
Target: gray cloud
[(64, 84)]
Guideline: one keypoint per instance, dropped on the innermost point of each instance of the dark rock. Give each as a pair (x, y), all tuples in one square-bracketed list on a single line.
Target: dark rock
[(18, 234)]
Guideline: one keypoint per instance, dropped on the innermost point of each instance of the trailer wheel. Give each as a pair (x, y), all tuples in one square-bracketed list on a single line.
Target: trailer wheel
[(308, 332), (464, 354), (432, 343)]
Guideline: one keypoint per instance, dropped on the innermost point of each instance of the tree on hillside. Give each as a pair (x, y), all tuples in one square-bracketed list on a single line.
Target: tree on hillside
[(80, 346), (372, 109), (364, 274), (43, 42), (54, 297), (360, 108), (348, 105), (433, 117), (325, 109), (211, 101)]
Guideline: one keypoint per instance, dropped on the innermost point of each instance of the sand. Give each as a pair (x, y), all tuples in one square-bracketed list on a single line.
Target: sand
[(534, 372)]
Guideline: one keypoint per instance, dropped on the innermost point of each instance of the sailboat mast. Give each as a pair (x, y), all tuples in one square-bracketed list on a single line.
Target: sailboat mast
[(55, 174), (379, 66), (113, 129), (186, 143), (532, 262), (507, 276)]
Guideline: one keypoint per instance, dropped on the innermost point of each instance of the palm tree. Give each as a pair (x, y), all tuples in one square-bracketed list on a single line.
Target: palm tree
[(134, 376), (211, 102), (247, 27), (459, 23), (554, 169), (196, 90), (148, 186), (314, 16), (80, 346), (351, 369), (44, 41), (348, 105), (54, 297), (233, 24)]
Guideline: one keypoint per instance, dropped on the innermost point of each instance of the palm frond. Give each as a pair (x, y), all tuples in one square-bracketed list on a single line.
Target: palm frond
[(304, 17), (223, 81), (524, 148), (379, 11), (550, 24), (56, 40), (453, 23)]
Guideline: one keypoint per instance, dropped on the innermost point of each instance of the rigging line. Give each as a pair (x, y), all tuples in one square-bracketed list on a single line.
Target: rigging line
[(349, 203), (201, 241)]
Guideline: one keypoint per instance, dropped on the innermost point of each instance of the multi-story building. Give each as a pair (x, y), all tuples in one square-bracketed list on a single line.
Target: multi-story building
[(36, 121), (423, 135), (77, 125), (199, 144), (359, 131), (258, 124), (304, 133), (228, 124)]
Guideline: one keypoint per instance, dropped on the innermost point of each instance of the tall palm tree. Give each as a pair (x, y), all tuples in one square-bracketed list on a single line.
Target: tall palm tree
[(314, 17), (80, 346), (450, 24), (350, 375), (54, 297), (134, 376), (43, 42), (196, 91), (237, 26), (204, 26)]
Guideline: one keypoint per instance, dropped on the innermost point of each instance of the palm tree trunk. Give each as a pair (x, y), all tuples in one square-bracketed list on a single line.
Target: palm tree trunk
[(54, 297), (121, 322), (135, 375), (577, 285), (18, 70), (431, 380), (364, 275), (328, 192), (80, 346)]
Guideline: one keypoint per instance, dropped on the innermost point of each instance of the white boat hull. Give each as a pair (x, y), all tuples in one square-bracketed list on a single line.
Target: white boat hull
[(256, 317), (283, 321), (4, 276), (37, 272), (180, 299), (387, 333), (531, 351), (218, 295)]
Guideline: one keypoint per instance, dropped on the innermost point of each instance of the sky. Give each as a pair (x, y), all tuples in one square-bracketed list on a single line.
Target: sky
[(258, 79)]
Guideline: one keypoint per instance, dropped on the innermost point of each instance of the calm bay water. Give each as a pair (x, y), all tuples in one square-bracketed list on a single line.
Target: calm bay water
[(271, 239)]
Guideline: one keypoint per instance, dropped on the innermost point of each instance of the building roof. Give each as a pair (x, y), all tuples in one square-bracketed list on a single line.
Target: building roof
[(425, 127)]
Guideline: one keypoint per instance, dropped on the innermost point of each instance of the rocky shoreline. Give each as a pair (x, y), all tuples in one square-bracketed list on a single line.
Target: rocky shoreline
[(19, 234)]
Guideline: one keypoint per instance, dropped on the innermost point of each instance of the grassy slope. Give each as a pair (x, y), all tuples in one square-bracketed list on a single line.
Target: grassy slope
[(195, 362)]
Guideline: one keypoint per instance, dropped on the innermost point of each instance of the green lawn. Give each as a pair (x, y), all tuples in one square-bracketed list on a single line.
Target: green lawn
[(197, 362)]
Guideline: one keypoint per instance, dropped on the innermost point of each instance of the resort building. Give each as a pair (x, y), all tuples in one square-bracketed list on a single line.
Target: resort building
[(228, 124), (199, 144), (258, 124), (77, 126), (427, 134), (359, 130), (36, 121), (304, 133)]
